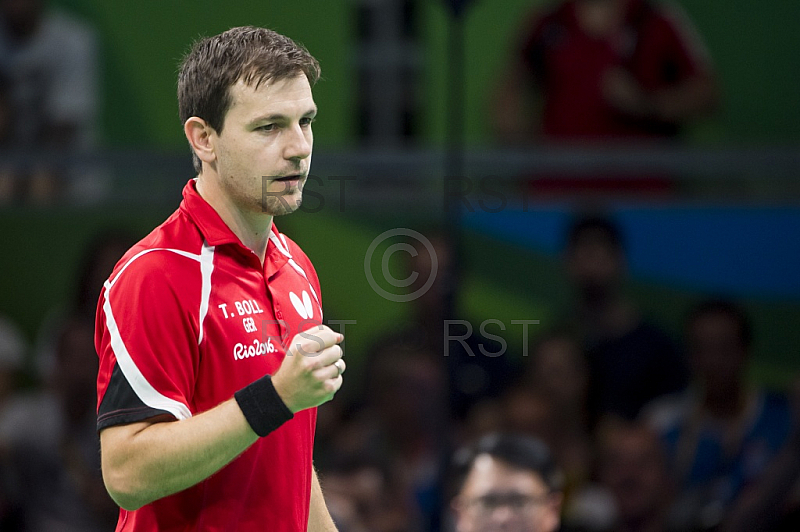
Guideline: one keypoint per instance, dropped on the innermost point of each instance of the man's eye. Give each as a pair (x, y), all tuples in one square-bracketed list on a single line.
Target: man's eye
[(306, 121), (266, 127)]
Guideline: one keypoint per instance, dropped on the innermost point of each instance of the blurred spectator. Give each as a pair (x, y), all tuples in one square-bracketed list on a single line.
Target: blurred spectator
[(362, 497), (551, 404), (722, 436), (396, 432), (404, 418), (631, 361), (773, 503), (96, 263), (8, 177), (506, 483), (632, 466), (51, 62), (12, 358), (477, 367), (53, 444), (50, 435), (605, 69), (557, 369)]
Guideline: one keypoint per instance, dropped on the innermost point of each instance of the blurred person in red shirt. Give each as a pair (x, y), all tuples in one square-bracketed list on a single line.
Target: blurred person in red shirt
[(605, 69)]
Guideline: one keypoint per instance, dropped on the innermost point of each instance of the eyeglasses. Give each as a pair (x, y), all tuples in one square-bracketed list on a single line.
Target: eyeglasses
[(517, 502)]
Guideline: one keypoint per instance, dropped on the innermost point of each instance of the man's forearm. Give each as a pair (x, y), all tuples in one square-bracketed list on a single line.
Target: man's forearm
[(143, 462), (689, 99), (319, 519)]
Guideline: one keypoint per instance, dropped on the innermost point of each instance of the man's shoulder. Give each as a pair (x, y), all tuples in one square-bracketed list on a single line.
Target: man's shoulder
[(301, 261), (168, 251), (295, 251)]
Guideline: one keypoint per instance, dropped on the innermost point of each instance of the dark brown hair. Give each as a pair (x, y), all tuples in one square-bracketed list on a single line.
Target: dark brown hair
[(214, 64)]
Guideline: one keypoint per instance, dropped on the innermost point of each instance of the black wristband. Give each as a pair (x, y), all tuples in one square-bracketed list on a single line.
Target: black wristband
[(263, 408)]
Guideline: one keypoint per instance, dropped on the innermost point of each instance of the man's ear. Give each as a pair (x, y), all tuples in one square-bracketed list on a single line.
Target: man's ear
[(457, 509), (551, 520), (199, 135)]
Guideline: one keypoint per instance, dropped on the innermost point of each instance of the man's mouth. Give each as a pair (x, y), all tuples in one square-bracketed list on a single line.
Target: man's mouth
[(289, 178)]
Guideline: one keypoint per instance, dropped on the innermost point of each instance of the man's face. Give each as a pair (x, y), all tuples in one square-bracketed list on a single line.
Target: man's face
[(595, 265), (497, 497), (263, 154), (559, 369), (632, 467), (718, 353)]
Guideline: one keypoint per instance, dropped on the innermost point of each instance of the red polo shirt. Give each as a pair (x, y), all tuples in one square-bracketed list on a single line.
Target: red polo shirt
[(656, 45), (188, 317)]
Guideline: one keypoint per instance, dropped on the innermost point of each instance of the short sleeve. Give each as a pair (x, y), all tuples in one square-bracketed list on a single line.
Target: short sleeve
[(147, 338)]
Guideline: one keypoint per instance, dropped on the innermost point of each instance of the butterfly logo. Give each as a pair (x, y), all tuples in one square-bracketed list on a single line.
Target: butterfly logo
[(303, 307)]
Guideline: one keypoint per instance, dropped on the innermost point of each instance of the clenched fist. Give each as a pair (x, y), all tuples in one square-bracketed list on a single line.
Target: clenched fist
[(311, 373)]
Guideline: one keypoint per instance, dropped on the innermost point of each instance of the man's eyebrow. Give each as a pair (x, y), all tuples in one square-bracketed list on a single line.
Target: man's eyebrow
[(279, 117)]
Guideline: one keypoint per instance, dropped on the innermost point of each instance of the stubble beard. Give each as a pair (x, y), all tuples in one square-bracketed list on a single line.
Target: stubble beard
[(274, 204)]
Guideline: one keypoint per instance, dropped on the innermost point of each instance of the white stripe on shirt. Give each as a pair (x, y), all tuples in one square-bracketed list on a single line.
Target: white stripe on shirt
[(206, 267), (285, 250), (143, 389)]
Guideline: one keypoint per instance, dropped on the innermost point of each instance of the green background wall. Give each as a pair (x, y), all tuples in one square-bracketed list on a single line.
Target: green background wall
[(753, 43), (143, 42)]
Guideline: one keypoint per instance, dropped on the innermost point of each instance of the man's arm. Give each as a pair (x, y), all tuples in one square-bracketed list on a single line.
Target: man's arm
[(688, 99), (518, 99), (149, 460), (319, 518), (146, 461), (517, 106)]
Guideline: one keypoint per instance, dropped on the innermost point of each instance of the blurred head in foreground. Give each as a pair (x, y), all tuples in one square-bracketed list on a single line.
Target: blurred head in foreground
[(506, 483)]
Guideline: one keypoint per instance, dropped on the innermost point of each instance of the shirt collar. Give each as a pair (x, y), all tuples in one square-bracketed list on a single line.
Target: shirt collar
[(216, 232)]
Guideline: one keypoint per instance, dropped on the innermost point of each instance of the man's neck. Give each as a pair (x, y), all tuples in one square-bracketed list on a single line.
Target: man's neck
[(253, 229), (601, 18), (610, 316), (726, 404)]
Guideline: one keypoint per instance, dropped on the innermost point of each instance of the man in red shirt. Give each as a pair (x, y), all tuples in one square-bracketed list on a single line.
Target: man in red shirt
[(605, 69), (213, 356)]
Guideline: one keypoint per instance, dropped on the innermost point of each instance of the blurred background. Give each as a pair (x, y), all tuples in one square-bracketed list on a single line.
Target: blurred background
[(605, 192)]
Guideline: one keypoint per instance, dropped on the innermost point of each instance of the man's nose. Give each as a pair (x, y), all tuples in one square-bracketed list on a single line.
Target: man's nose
[(298, 144)]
